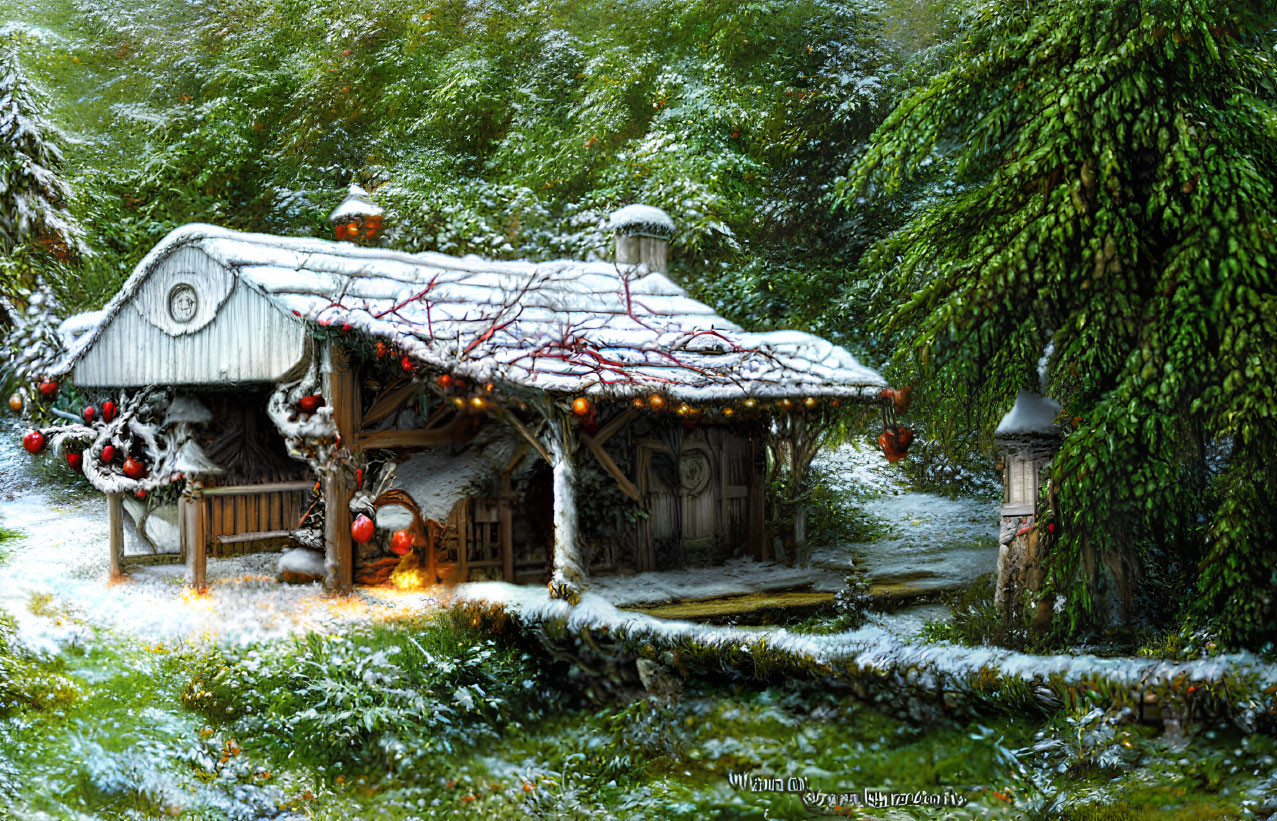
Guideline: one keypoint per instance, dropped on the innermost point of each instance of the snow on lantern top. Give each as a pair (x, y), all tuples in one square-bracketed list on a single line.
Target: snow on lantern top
[(642, 221), (1032, 415), (358, 218)]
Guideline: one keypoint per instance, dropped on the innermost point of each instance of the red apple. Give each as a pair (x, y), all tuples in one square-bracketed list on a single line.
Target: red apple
[(890, 445), (309, 404), (49, 389), (108, 453), (89, 413), (401, 543), (361, 529), (33, 441), (76, 462), (108, 411), (134, 468)]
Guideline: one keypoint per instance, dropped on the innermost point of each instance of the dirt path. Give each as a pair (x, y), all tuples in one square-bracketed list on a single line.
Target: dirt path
[(931, 542)]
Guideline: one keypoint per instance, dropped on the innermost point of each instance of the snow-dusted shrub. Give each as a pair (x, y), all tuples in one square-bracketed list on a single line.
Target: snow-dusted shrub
[(1088, 741), (26, 682), (132, 778), (975, 620), (392, 697)]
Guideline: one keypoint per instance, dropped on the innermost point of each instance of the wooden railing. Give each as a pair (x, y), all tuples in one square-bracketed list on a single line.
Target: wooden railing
[(224, 520)]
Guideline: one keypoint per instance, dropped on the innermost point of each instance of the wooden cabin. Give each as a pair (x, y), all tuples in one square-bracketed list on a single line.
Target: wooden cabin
[(523, 421)]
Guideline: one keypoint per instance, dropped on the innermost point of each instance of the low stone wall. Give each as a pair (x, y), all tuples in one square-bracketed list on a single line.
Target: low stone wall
[(913, 678)]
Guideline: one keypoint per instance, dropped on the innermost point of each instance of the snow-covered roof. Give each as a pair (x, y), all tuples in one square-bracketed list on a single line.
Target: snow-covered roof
[(1032, 415), (643, 220), (563, 326), (358, 203)]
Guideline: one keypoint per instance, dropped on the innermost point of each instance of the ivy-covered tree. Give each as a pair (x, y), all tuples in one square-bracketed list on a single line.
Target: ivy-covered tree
[(1115, 165)]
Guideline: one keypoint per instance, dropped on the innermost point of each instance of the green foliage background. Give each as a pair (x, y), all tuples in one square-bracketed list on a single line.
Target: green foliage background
[(505, 129), (1114, 166)]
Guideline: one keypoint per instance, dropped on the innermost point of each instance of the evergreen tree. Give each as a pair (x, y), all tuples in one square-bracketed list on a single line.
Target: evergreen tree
[(33, 197), (37, 232), (1115, 165)]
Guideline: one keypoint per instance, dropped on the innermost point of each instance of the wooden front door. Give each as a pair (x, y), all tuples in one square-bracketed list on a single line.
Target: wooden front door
[(700, 475)]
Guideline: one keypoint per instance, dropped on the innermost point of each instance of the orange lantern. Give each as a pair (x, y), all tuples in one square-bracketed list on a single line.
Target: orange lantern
[(358, 218), (581, 406)]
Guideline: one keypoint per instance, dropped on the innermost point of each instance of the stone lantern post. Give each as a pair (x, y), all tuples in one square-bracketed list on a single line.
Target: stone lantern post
[(1028, 438)]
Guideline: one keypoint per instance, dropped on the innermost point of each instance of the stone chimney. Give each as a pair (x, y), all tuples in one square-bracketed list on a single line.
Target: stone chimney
[(642, 236)]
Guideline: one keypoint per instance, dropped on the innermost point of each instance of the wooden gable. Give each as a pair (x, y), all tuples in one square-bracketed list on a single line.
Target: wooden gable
[(192, 322)]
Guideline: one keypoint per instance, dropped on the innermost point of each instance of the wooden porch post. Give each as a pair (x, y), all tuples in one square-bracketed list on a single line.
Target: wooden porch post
[(194, 535), (342, 395), (569, 571), (506, 526), (115, 529)]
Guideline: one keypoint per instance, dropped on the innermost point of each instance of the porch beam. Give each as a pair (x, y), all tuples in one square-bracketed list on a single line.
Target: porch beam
[(115, 531), (622, 481), (341, 392)]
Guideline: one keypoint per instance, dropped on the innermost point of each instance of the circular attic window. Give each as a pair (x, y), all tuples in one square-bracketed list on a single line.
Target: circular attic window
[(183, 302)]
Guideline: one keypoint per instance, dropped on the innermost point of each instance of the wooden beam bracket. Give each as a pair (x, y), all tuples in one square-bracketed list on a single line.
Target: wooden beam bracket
[(526, 434), (623, 482)]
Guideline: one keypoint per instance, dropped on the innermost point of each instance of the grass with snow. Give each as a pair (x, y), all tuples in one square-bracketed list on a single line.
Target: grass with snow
[(387, 697)]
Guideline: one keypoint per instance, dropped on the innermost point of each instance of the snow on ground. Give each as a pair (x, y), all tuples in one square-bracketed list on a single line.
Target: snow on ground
[(933, 542), (62, 554)]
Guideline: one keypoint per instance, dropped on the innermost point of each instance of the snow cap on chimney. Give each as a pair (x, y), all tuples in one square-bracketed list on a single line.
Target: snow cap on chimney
[(642, 236)]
